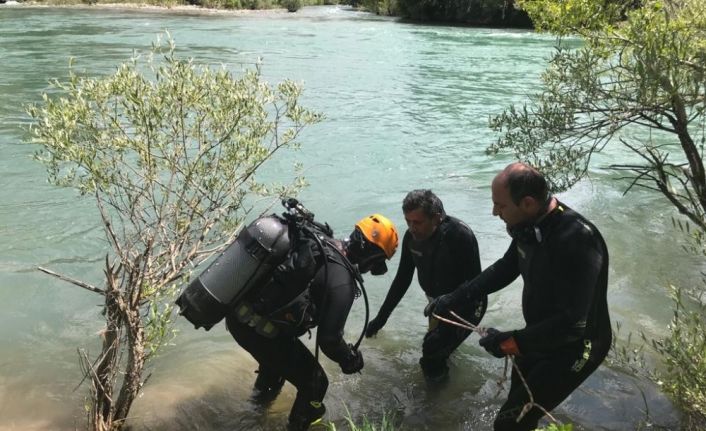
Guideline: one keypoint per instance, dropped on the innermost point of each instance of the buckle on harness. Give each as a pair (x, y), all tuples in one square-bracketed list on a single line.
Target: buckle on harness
[(247, 316)]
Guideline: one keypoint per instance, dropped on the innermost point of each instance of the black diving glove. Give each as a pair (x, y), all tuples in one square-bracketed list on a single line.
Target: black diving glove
[(374, 326), (439, 305), (465, 293), (499, 344), (353, 363)]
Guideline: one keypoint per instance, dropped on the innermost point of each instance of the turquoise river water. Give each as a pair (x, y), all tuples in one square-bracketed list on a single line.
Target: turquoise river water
[(406, 107)]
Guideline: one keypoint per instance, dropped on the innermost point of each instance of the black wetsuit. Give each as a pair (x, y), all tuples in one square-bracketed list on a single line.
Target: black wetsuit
[(443, 261), (284, 357), (564, 266)]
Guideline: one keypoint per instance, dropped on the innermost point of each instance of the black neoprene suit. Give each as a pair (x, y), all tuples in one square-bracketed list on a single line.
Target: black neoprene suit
[(443, 262), (287, 357), (567, 333)]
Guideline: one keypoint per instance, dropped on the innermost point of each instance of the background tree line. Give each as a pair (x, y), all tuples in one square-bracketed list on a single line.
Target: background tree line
[(476, 12)]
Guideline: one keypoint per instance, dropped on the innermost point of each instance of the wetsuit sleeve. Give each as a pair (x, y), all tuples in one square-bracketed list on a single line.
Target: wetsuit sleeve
[(494, 278), (579, 258), (401, 283), (340, 287)]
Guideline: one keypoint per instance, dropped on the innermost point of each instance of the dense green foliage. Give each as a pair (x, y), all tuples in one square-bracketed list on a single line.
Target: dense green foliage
[(638, 84), (684, 354), (638, 81), (645, 73), (170, 152), (478, 12), (379, 7), (290, 5)]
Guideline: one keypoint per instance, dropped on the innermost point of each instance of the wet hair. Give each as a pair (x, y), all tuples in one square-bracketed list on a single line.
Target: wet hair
[(527, 182), (425, 200)]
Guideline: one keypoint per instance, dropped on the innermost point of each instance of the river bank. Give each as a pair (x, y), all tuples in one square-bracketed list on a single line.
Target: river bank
[(145, 7)]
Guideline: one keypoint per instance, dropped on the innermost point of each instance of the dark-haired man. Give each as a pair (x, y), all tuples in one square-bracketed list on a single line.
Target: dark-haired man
[(563, 261), (444, 252)]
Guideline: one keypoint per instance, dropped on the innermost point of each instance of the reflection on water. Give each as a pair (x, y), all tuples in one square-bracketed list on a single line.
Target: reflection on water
[(406, 107)]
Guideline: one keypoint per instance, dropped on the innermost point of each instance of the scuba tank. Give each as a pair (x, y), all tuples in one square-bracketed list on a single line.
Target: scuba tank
[(247, 263)]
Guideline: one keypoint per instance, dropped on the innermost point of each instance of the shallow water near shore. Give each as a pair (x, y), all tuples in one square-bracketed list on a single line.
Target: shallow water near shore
[(406, 107)]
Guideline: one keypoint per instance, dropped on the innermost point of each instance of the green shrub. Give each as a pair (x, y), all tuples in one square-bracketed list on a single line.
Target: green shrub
[(684, 355), (387, 423), (681, 372), (169, 151), (485, 12), (379, 7), (233, 4), (292, 5)]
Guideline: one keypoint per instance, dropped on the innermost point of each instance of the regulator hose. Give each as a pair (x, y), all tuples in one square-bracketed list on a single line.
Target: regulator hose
[(359, 280)]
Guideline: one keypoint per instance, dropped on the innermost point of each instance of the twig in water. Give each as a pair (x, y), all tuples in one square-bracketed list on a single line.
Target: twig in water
[(78, 283)]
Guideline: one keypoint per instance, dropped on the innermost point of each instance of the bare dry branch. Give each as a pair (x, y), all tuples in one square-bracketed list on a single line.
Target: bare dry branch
[(68, 279)]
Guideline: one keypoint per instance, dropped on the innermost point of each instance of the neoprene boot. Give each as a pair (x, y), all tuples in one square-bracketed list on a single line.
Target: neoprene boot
[(435, 370), (267, 387), (305, 415)]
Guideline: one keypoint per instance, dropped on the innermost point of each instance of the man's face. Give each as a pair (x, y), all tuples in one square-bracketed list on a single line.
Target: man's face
[(504, 207), (420, 225)]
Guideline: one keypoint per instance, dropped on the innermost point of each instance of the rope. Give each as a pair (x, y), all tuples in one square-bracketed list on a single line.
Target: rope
[(462, 323)]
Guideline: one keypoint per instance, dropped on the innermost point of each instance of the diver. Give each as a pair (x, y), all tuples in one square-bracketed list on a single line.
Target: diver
[(444, 252), (563, 261), (315, 286)]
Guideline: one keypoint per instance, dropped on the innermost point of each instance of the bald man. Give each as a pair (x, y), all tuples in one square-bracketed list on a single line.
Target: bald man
[(563, 261)]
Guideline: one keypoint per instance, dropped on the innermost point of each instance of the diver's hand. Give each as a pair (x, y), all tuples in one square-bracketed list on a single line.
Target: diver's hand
[(374, 326), (353, 363), (439, 305), (499, 344)]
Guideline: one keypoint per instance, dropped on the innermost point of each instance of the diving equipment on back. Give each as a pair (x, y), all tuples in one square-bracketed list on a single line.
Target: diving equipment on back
[(247, 264)]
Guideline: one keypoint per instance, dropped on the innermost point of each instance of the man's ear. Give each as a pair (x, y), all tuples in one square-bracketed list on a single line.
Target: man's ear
[(436, 219), (529, 205)]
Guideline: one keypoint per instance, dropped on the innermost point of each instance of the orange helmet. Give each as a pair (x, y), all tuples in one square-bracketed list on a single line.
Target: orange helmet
[(380, 231)]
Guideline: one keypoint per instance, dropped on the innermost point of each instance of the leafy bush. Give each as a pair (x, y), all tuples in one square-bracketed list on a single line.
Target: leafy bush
[(169, 151), (291, 5), (484, 12), (684, 355), (380, 7)]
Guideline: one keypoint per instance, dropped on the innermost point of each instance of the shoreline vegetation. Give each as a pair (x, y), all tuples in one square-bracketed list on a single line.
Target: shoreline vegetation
[(153, 7), (496, 13)]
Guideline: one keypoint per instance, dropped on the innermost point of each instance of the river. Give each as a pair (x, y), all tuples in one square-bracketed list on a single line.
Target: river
[(406, 107)]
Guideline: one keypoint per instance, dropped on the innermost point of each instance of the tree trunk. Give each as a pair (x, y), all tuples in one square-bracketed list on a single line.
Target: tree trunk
[(135, 365), (105, 371), (691, 151)]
